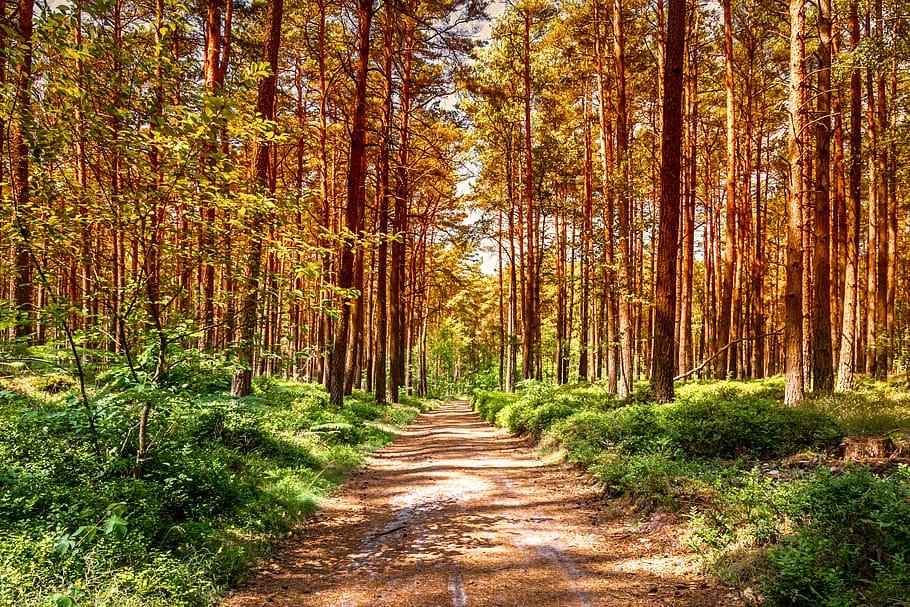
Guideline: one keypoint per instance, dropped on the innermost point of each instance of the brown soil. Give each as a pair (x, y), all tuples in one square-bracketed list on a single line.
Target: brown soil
[(456, 513)]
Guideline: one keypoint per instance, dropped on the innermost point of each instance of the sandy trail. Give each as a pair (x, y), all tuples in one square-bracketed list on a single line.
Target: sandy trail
[(456, 513)]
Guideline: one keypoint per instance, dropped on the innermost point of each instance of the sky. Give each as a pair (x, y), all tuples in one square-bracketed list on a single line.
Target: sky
[(494, 10), (488, 259)]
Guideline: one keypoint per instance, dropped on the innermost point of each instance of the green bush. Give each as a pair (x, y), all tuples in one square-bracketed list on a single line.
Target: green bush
[(488, 404), (851, 544), (539, 405), (653, 477), (746, 426), (631, 429)]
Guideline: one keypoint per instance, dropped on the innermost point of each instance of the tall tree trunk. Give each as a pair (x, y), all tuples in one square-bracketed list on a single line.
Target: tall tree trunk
[(882, 338), (502, 303), (848, 346), (213, 80), (625, 262), (687, 265), (587, 220), (385, 193), (512, 351), (893, 249), (663, 360), (725, 360), (241, 383), (355, 202), (561, 295), (794, 390), (608, 299), (324, 321), (838, 265), (530, 314), (353, 362), (398, 327), (822, 365), (759, 368), (22, 213), (872, 205)]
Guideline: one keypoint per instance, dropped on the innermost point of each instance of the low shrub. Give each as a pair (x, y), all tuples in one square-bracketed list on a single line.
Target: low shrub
[(747, 426), (488, 404), (538, 406), (653, 478), (850, 545), (703, 429)]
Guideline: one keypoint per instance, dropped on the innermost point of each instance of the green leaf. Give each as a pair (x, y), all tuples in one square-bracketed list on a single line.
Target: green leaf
[(62, 600), (63, 545)]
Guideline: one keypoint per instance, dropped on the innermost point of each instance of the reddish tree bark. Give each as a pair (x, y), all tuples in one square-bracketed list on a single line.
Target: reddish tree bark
[(822, 365), (355, 201), (663, 361), (849, 341), (23, 290), (794, 389)]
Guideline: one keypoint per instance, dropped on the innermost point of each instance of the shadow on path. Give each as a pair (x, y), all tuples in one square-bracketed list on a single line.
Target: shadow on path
[(454, 512)]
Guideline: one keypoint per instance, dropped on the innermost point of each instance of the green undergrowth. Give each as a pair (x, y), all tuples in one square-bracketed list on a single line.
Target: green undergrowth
[(226, 479), (769, 506)]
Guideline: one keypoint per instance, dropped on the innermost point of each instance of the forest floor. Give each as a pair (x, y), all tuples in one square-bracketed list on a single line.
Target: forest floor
[(456, 512)]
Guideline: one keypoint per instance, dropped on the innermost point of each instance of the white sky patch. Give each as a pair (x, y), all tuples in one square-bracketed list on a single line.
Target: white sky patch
[(489, 260)]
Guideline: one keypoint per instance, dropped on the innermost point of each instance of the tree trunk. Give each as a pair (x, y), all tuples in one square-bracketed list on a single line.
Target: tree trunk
[(794, 390), (385, 193), (587, 220), (241, 383), (625, 262), (838, 261), (608, 299), (882, 338), (686, 354), (355, 203), (871, 232), (21, 151), (663, 360), (323, 334), (848, 346), (213, 81), (398, 326), (530, 314), (353, 361), (512, 351), (724, 365), (822, 365), (759, 368)]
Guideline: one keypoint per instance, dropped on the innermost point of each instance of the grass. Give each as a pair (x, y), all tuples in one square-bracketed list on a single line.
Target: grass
[(765, 510), (227, 479)]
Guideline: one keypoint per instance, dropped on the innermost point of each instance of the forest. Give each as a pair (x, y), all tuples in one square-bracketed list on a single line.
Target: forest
[(248, 242)]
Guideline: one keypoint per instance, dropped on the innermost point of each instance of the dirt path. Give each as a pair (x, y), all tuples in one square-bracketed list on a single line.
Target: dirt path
[(456, 513)]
